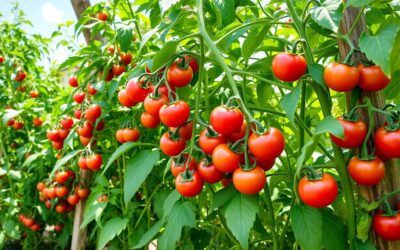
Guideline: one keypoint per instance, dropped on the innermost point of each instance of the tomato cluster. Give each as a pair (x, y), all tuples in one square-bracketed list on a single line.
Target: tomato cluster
[(29, 222)]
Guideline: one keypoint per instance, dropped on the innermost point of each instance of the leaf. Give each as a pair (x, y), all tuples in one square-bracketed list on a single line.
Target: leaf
[(120, 150), (364, 222), (164, 55), (307, 227), (253, 40), (306, 152), (111, 229), (368, 245), (395, 58), (149, 235), (11, 113), (317, 73), (222, 197), (93, 211), (378, 48), (226, 9), (289, 102), (137, 170), (64, 160), (165, 5), (333, 235), (124, 37), (172, 198), (31, 159), (356, 3), (328, 15), (330, 125), (240, 214)]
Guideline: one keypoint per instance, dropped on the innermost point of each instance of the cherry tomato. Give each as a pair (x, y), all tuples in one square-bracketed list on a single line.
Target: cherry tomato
[(83, 193), (94, 162), (131, 134), (34, 94), (249, 181), (171, 147), (354, 133), (163, 90), (102, 16), (388, 142), (192, 62), (117, 69), (366, 172), (224, 159), (288, 67), (58, 227), (149, 121), (93, 112), (267, 146), (185, 131), (174, 114), (21, 75), (61, 191), (189, 188), (372, 78), (318, 193), (226, 120), (82, 163), (341, 77), (40, 186), (124, 99), (63, 133), (78, 114), (37, 121), (61, 177), (73, 81), (79, 97), (209, 172), (126, 58), (18, 125), (73, 199), (240, 134), (53, 135), (152, 105), (85, 140), (179, 77), (178, 166), (387, 227), (91, 90), (208, 143), (86, 130), (67, 122), (137, 91)]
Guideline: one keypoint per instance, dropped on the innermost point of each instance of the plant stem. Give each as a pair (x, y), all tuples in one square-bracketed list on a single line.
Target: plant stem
[(302, 113), (270, 210)]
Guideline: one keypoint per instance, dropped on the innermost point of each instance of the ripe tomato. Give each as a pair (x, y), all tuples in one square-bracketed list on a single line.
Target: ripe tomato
[(28, 222), (366, 172), (34, 94), (58, 227), (78, 114), (387, 227), (124, 99), (61, 191), (267, 146), (73, 81), (102, 16), (149, 121), (21, 75), (226, 120), (163, 90), (174, 114), (152, 105), (208, 143), (185, 131), (62, 177), (86, 130), (93, 112), (388, 142), (10, 122), (83, 193), (37, 121), (63, 133), (288, 67), (91, 90), (240, 134), (18, 125), (178, 164), (372, 78), (266, 164), (249, 181), (354, 133), (85, 140), (224, 159), (131, 134), (209, 172), (192, 62), (35, 227), (117, 69), (179, 77), (73, 199), (67, 122), (126, 58), (40, 186), (53, 135), (79, 97), (82, 163), (1, 59), (137, 91), (189, 188), (171, 147), (109, 75), (341, 77), (94, 162), (318, 193), (120, 136), (61, 208), (50, 192)]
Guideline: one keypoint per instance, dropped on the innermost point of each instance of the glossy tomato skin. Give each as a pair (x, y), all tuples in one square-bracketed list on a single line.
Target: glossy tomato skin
[(131, 134), (171, 147), (149, 121), (226, 120), (318, 193), (267, 146), (73, 81), (93, 112), (266, 164), (192, 63), (153, 105), (249, 181), (388, 142), (174, 114), (224, 159), (209, 172), (179, 77), (177, 168), (126, 58), (67, 123), (117, 69), (79, 97), (288, 67), (208, 144), (354, 133), (366, 172), (94, 162), (91, 90), (189, 188), (240, 134), (102, 16), (387, 227), (136, 91), (124, 99), (185, 131), (372, 78), (341, 77)]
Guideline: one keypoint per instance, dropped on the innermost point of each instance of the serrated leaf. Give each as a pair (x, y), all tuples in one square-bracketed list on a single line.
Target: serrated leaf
[(307, 227), (253, 40), (120, 150), (64, 160), (328, 15), (289, 102), (149, 235), (111, 229), (240, 214), (164, 55), (330, 125), (137, 170), (222, 197), (333, 236), (226, 9), (124, 37), (364, 222)]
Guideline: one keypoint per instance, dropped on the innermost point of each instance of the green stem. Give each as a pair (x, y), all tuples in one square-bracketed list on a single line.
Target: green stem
[(356, 21), (270, 211), (302, 113)]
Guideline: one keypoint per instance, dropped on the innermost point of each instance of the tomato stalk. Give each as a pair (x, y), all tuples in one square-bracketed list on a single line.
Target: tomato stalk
[(271, 216)]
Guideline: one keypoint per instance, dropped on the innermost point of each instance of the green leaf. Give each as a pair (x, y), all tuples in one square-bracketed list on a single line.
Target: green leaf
[(165, 5), (72, 61), (306, 152), (226, 9), (330, 125), (93, 211), (395, 58), (222, 197), (378, 48), (124, 37), (253, 40), (164, 55), (328, 15), (149, 235), (317, 73), (169, 203), (333, 235), (111, 229), (240, 214), (364, 222), (64, 160), (307, 227), (368, 245), (31, 159), (137, 170), (120, 150), (11, 113), (289, 102), (356, 3)]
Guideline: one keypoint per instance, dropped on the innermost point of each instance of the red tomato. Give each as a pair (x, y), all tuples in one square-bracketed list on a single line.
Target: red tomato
[(51, 193), (174, 114), (79, 97), (120, 136), (171, 147), (189, 188), (73, 81), (179, 77), (192, 62), (94, 162), (62, 177), (249, 181), (83, 193), (126, 58), (341, 77), (226, 120), (18, 125), (85, 140), (93, 112), (82, 163), (131, 134), (153, 105), (124, 99), (137, 91), (28, 222), (208, 143), (102, 16), (209, 172), (61, 208), (34, 94), (163, 90), (354, 133), (149, 121), (240, 134), (1, 59), (63, 133), (288, 67), (266, 164), (318, 193), (67, 122), (10, 122), (86, 130), (61, 191), (37, 121), (388, 142), (267, 146), (224, 159), (185, 131), (179, 164), (73, 199), (117, 69), (58, 145), (78, 114), (21, 75), (372, 78), (366, 172), (40, 186), (58, 227), (91, 90), (387, 227), (53, 135)]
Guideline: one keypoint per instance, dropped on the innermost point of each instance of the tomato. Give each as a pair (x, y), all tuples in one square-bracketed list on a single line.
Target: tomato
[(93, 112), (189, 188), (78, 113), (192, 62), (21, 88), (126, 58), (131, 134), (372, 78), (226, 120), (224, 159), (163, 90), (149, 121), (53, 135), (266, 164), (171, 147), (354, 133), (18, 125), (318, 193), (179, 164), (109, 75), (387, 227), (137, 91), (341, 77), (40, 186), (82, 163), (366, 172), (249, 181), (10, 122), (51, 193), (63, 133), (58, 145), (21, 75), (28, 222), (85, 140), (34, 94), (73, 199), (1, 59), (58, 227), (185, 131), (100, 126), (209, 172), (86, 130), (388, 142), (79, 97), (67, 122), (152, 105), (61, 177), (35, 227), (267, 146), (102, 16), (124, 99), (37, 121), (117, 69), (48, 204), (174, 114), (208, 143), (61, 208), (288, 67), (73, 81), (83, 193), (179, 77), (119, 135), (94, 162), (61, 191), (91, 90)]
